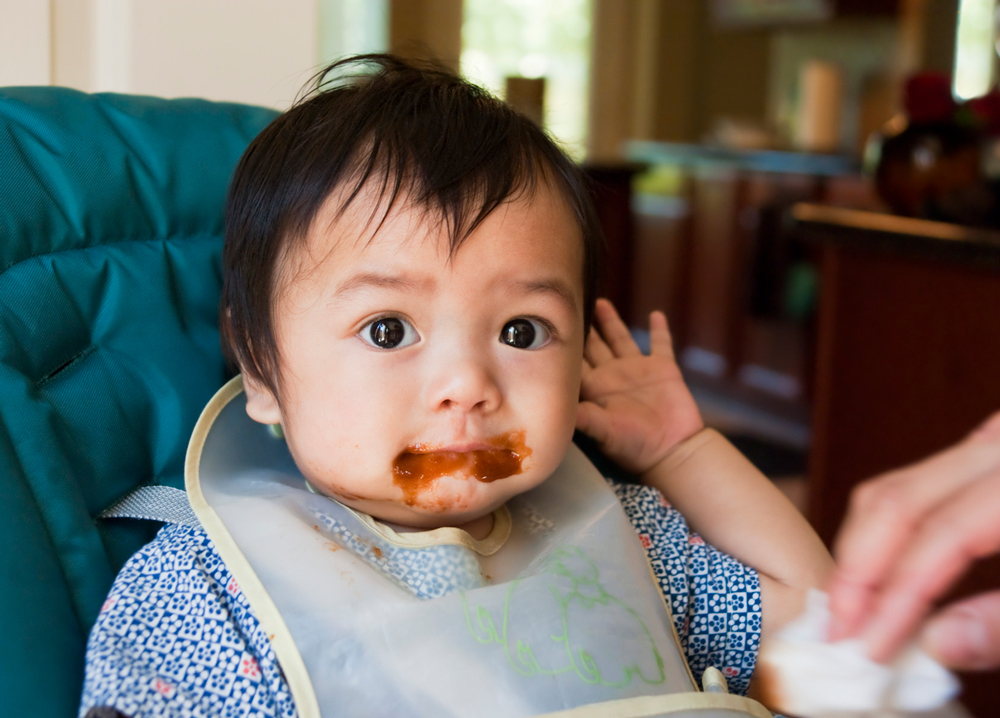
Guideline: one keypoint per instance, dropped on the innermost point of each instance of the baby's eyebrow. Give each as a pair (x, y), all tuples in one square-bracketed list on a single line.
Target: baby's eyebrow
[(363, 280), (552, 286)]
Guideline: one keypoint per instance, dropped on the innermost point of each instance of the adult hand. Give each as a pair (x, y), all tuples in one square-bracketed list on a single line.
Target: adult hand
[(908, 537), (635, 407)]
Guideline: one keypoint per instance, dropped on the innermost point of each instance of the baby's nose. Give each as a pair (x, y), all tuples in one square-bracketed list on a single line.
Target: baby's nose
[(463, 384)]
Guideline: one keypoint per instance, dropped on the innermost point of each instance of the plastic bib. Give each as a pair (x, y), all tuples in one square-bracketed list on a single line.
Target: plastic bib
[(556, 610)]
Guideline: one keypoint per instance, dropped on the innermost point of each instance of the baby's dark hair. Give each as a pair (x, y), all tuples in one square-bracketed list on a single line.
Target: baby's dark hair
[(400, 128)]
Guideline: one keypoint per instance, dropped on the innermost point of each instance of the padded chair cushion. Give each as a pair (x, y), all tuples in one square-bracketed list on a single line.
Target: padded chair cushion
[(110, 238)]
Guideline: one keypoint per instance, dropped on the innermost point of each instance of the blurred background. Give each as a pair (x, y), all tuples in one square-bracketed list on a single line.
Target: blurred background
[(809, 188)]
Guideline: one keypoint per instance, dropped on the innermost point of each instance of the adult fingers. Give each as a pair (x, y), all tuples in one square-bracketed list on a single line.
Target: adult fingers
[(989, 430), (886, 511), (660, 342), (882, 516), (966, 635), (614, 331), (963, 529), (596, 351)]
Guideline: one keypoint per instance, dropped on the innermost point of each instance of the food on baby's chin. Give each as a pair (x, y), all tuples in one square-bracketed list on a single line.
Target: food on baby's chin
[(416, 468)]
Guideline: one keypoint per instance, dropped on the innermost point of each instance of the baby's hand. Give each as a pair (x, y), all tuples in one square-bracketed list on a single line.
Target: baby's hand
[(636, 407)]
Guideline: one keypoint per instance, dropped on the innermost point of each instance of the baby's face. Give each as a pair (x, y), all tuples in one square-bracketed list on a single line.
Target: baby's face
[(425, 389)]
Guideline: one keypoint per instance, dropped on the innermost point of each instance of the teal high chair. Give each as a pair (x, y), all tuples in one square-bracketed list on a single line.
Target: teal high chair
[(110, 237)]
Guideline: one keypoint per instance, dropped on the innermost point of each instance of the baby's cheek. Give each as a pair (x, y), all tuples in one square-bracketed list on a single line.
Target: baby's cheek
[(561, 436), (335, 467)]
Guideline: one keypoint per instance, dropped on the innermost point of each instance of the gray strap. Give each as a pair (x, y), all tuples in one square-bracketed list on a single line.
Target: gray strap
[(155, 503)]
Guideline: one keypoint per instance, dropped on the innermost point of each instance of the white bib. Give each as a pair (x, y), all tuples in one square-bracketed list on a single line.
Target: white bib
[(556, 610)]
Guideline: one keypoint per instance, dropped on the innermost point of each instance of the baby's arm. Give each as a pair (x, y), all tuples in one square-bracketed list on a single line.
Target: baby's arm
[(643, 416)]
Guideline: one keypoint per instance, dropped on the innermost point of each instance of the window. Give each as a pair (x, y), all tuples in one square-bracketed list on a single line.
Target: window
[(974, 49), (528, 38)]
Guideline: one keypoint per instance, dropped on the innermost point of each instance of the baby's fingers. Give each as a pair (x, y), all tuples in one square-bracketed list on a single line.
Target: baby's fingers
[(593, 421), (595, 351), (614, 331), (660, 342)]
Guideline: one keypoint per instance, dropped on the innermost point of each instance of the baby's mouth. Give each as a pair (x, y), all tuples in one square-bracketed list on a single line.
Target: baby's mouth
[(417, 467)]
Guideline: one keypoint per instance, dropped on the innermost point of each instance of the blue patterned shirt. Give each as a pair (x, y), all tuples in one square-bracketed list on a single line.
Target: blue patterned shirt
[(177, 637)]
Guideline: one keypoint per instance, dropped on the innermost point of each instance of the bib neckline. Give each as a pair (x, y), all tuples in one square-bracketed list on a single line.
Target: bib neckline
[(446, 535)]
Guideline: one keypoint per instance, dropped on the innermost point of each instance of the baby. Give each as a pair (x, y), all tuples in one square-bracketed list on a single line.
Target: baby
[(410, 274)]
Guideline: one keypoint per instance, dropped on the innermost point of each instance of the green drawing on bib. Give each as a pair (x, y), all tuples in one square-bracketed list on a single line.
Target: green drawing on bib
[(581, 605)]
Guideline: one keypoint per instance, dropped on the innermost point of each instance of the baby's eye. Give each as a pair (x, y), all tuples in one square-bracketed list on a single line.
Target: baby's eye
[(389, 333), (524, 334)]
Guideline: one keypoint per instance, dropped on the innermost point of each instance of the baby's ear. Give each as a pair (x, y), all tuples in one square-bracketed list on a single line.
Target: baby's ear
[(262, 405)]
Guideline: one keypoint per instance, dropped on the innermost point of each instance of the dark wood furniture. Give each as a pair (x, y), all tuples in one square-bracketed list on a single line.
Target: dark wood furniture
[(611, 190), (908, 360), (719, 264)]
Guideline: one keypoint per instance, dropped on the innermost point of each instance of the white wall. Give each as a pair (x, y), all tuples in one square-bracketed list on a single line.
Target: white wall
[(253, 51), (91, 44), (25, 47)]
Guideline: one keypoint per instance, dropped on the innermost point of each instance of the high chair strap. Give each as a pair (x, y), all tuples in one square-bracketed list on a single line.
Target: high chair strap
[(154, 503)]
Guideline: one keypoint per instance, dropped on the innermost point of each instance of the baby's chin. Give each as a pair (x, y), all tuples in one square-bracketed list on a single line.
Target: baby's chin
[(447, 501)]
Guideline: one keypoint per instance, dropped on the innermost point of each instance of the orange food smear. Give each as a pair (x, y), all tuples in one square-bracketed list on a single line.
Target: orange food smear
[(417, 468)]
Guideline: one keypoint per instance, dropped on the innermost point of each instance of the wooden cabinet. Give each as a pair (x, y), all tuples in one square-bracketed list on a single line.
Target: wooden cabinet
[(611, 186), (721, 268)]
